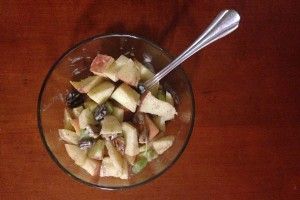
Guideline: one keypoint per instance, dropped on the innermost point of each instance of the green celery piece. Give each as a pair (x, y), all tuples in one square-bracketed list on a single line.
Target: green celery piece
[(150, 154), (139, 164), (161, 95), (110, 107)]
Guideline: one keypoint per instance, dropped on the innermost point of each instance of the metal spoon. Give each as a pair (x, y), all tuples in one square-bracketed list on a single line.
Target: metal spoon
[(226, 22)]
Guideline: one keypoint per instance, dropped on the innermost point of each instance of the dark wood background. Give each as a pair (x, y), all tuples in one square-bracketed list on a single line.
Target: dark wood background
[(246, 139)]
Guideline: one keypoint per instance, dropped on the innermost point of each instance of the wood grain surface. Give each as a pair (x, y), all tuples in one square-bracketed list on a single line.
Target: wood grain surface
[(246, 139)]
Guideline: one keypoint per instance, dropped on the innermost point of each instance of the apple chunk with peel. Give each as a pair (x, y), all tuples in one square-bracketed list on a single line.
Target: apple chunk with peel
[(159, 122), (129, 73), (85, 85), (76, 153), (97, 150), (101, 63), (86, 118), (67, 119), (115, 156), (110, 125), (126, 96), (108, 169), (91, 166), (68, 136), (131, 139), (153, 130), (150, 104), (162, 144), (102, 92)]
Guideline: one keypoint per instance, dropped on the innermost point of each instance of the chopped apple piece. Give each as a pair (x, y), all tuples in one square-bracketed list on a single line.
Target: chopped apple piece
[(85, 85), (145, 72), (91, 166), (154, 89), (100, 63), (160, 123), (129, 73), (125, 173), (68, 136), (86, 118), (75, 124), (77, 111), (118, 113), (150, 104), (90, 104), (169, 98), (97, 150), (112, 71), (102, 92), (151, 127), (110, 125), (115, 156), (131, 139), (126, 96), (162, 144), (108, 169), (130, 159), (76, 153), (67, 119)]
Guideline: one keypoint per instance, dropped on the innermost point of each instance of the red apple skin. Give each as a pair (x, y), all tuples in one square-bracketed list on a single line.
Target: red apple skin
[(100, 63), (153, 130)]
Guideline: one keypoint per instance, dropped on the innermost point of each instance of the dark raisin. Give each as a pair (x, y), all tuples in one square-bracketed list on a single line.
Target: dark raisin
[(100, 112), (92, 131), (74, 99), (140, 88), (86, 143)]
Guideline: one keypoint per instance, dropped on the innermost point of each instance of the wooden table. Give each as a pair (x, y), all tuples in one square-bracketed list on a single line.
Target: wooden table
[(246, 139)]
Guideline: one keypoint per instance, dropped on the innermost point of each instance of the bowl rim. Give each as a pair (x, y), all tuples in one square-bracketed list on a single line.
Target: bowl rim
[(39, 121)]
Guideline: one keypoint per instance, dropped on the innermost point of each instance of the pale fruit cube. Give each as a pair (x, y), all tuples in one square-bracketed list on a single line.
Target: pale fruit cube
[(85, 85), (115, 156), (162, 144), (97, 150), (159, 122), (169, 98), (125, 173), (102, 92), (118, 113), (112, 71), (150, 104), (129, 73), (154, 89), (130, 159), (75, 124), (90, 104), (131, 139), (108, 169), (122, 60), (76, 153), (126, 96), (91, 166), (77, 111), (100, 63), (110, 125), (145, 72), (86, 118), (68, 136), (67, 119)]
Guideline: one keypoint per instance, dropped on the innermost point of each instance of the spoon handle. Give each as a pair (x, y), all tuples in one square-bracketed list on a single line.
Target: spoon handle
[(226, 22)]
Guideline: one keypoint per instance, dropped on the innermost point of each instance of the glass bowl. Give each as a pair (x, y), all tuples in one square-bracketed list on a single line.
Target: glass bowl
[(73, 65)]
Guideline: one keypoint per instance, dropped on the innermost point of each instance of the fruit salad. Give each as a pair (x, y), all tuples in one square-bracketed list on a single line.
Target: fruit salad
[(111, 129)]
